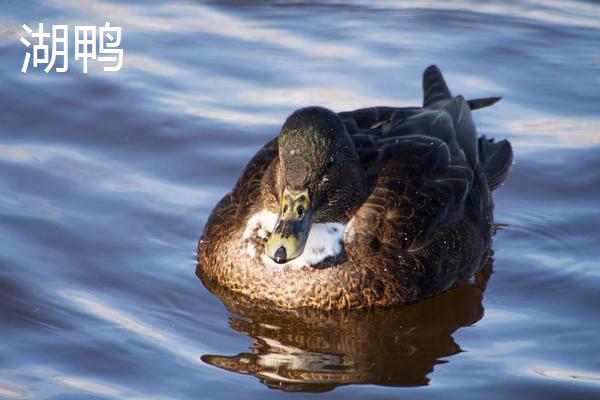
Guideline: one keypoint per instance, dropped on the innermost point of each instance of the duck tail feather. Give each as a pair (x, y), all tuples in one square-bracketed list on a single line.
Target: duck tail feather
[(476, 104), (497, 159), (434, 86)]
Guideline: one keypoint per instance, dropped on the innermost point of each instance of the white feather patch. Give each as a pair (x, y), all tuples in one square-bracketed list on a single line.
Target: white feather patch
[(264, 221), (324, 240), (262, 224)]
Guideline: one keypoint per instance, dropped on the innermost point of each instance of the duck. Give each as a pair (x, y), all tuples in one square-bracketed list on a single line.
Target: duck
[(376, 207)]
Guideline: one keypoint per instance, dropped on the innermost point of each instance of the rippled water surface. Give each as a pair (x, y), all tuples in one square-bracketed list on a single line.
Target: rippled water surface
[(106, 181)]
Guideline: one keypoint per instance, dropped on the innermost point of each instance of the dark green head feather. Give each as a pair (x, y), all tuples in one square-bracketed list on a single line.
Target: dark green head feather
[(308, 143)]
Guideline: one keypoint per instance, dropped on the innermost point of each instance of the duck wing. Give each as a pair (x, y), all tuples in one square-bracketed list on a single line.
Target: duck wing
[(237, 204), (416, 190), (442, 116)]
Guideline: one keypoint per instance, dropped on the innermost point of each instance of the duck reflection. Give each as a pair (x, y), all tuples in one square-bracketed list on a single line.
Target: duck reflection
[(313, 351)]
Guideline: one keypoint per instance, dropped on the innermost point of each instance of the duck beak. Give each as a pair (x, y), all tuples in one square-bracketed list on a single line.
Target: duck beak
[(292, 228)]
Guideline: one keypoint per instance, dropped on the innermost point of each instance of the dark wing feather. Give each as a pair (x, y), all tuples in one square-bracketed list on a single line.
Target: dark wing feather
[(248, 187), (497, 159), (476, 104), (434, 86), (374, 121), (442, 116), (416, 191), (247, 190)]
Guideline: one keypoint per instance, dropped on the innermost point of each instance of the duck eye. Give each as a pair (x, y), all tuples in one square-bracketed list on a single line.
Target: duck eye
[(329, 163), (300, 210)]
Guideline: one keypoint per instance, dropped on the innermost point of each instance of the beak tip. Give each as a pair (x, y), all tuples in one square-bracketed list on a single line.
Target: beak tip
[(280, 256)]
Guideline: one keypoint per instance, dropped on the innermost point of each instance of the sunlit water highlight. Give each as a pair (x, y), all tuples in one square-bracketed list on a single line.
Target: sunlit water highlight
[(106, 181)]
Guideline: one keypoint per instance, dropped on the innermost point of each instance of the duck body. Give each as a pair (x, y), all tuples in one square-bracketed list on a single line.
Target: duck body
[(374, 207)]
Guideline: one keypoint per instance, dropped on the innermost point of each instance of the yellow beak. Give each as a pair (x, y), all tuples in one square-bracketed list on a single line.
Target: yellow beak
[(292, 227)]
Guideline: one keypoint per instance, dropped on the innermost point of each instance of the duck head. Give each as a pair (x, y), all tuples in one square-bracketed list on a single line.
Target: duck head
[(319, 179)]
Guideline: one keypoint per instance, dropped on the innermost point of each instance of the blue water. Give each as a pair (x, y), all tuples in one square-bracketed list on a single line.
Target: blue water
[(106, 181)]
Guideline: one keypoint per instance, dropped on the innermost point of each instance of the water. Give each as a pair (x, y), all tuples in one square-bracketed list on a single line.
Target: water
[(106, 181)]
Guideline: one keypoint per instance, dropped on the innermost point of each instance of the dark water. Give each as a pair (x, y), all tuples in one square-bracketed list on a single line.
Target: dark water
[(106, 181)]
